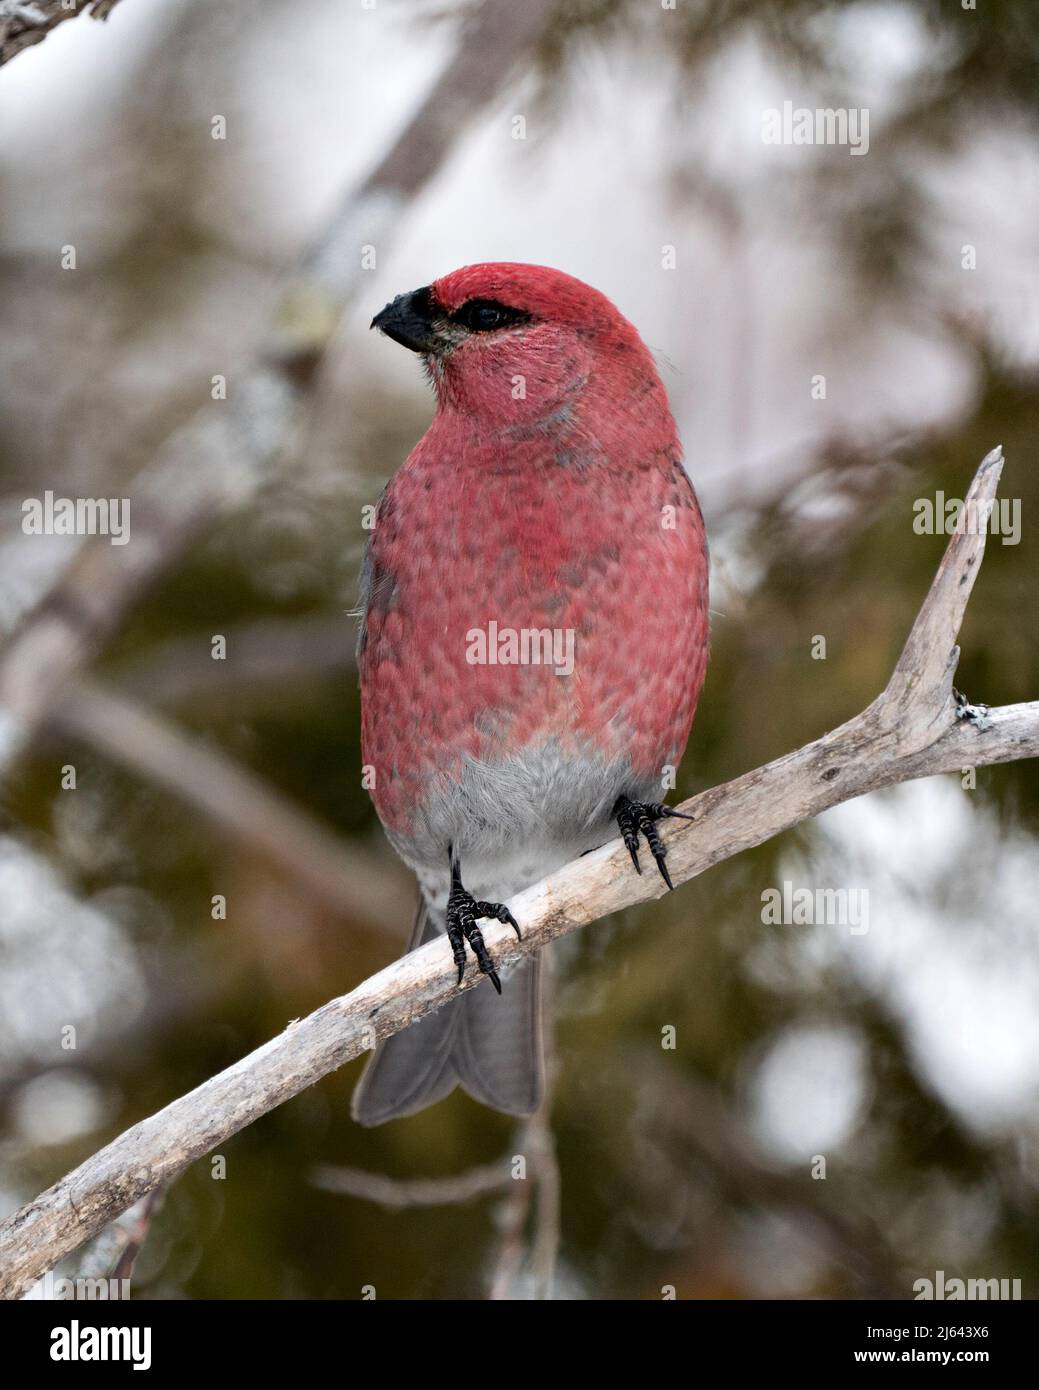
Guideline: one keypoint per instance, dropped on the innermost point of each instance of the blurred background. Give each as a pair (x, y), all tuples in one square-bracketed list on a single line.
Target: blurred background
[(905, 1056)]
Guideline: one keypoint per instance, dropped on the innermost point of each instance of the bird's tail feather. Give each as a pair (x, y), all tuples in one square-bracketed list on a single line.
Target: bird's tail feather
[(491, 1046)]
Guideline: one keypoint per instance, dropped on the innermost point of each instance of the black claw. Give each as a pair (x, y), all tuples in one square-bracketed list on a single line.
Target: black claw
[(635, 817), (659, 811), (656, 848), (500, 913), (463, 910)]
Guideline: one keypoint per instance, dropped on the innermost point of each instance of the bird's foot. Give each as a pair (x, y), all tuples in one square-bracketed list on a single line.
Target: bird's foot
[(636, 816), (974, 714), (462, 913)]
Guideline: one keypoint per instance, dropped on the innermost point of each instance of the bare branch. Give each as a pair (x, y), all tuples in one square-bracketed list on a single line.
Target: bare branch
[(868, 752), (540, 1187), (27, 22), (922, 680), (540, 1142), (511, 1223), (398, 1193)]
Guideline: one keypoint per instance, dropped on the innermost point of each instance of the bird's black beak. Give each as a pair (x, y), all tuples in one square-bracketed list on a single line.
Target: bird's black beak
[(409, 321)]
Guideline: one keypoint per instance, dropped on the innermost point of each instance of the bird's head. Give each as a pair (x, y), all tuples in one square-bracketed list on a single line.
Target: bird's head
[(510, 344)]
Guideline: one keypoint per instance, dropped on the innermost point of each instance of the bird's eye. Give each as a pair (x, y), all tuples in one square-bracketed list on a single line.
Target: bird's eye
[(485, 315)]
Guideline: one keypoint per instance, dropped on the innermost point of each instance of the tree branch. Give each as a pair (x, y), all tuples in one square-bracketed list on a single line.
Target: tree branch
[(27, 22), (913, 729), (397, 1193)]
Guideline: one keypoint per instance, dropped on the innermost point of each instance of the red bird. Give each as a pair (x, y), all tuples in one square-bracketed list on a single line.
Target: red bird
[(533, 642)]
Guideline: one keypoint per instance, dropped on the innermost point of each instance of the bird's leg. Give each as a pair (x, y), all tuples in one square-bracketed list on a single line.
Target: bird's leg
[(635, 816), (462, 913)]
